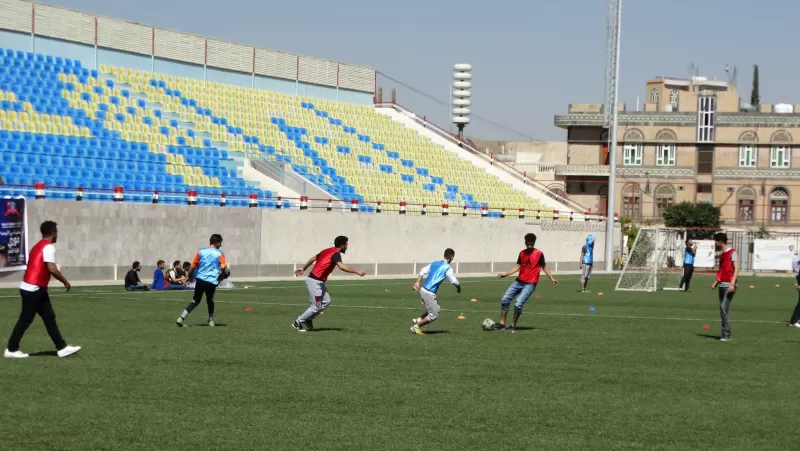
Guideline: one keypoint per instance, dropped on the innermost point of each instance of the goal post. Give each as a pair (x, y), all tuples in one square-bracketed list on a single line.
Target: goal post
[(655, 261)]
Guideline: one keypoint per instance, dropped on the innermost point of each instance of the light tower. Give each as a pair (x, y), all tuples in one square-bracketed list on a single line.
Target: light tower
[(611, 113), (462, 91)]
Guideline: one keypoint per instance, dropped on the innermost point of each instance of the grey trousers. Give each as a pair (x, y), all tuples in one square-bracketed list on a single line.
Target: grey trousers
[(725, 299)]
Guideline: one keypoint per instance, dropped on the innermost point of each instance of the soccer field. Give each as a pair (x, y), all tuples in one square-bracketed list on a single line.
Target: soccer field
[(638, 372)]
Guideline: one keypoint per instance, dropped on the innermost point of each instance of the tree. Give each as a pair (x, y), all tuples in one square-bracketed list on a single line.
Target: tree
[(755, 96), (702, 219)]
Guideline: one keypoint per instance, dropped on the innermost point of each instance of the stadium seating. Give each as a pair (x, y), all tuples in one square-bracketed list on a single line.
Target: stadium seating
[(146, 131)]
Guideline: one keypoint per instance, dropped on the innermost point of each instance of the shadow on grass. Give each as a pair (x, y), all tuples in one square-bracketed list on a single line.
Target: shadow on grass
[(436, 332), (44, 354), (216, 325), (327, 329), (530, 328), (713, 337)]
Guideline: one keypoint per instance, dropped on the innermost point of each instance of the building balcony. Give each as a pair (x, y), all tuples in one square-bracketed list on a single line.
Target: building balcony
[(598, 170), (757, 173)]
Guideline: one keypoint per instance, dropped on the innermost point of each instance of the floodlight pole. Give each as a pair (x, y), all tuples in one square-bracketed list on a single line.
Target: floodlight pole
[(613, 60)]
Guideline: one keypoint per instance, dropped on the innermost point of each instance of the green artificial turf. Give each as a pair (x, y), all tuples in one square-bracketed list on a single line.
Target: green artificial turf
[(638, 372)]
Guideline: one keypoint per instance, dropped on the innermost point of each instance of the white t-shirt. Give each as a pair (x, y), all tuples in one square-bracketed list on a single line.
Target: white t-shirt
[(49, 256)]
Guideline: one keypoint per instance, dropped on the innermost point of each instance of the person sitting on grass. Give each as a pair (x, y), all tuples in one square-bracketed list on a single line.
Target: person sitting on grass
[(158, 276), (176, 278), (132, 282)]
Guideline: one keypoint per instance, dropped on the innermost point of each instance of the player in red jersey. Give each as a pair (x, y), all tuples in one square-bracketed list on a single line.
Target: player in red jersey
[(530, 263), (324, 264), (35, 299), (726, 281)]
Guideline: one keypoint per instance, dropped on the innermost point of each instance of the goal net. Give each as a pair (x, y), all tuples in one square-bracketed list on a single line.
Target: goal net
[(655, 261)]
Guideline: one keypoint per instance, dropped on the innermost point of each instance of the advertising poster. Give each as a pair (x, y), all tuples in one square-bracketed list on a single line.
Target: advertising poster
[(13, 235), (704, 257), (773, 255)]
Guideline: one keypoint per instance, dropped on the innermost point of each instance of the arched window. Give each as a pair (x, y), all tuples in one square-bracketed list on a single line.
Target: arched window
[(665, 196), (746, 204), (780, 154), (673, 97), (653, 95), (558, 190), (779, 205), (665, 151), (632, 201)]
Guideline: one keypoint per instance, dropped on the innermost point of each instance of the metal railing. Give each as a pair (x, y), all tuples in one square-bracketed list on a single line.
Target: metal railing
[(520, 176)]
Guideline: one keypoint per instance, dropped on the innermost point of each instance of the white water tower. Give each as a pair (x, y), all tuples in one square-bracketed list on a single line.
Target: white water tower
[(461, 92)]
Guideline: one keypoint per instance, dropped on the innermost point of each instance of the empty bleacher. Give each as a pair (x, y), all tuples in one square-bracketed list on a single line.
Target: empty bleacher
[(65, 125)]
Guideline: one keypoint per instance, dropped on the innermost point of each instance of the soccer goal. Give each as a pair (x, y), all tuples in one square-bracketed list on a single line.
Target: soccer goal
[(655, 261)]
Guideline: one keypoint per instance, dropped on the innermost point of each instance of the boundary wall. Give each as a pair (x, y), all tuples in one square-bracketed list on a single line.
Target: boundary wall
[(99, 241)]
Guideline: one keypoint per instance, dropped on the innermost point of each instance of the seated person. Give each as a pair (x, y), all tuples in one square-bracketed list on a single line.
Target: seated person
[(187, 270), (176, 278), (158, 276), (132, 282)]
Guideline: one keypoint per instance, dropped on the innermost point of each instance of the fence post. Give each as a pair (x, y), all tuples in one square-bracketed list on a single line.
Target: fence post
[(402, 208), (279, 204), (354, 205), (39, 190), (253, 201), (521, 213), (484, 211), (424, 209), (222, 200), (303, 203), (155, 196), (330, 204), (119, 194), (379, 208), (445, 210), (192, 197), (79, 194)]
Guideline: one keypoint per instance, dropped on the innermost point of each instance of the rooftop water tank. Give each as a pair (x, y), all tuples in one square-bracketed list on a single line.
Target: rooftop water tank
[(783, 108)]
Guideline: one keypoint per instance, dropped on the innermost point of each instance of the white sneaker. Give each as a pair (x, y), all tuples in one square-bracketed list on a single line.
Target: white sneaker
[(415, 321), (179, 322), (797, 324), (14, 355), (211, 323), (68, 351)]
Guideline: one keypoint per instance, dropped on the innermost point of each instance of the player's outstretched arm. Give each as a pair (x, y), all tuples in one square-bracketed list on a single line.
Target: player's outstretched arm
[(57, 275), (512, 271), (550, 275), (451, 277), (310, 262), (346, 268)]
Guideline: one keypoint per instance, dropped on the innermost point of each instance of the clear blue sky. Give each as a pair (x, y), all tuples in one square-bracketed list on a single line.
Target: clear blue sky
[(530, 58)]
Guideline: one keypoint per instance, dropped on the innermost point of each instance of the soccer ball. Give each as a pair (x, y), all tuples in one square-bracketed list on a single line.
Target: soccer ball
[(487, 324)]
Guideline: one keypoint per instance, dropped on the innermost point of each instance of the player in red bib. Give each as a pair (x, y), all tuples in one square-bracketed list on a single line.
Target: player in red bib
[(726, 282), (530, 263), (35, 299), (324, 264)]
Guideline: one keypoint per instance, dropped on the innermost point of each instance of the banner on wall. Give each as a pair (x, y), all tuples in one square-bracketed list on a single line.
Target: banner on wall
[(774, 255), (704, 257), (13, 234)]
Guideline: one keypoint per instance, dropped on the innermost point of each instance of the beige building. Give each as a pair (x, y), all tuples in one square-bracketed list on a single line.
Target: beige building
[(692, 142)]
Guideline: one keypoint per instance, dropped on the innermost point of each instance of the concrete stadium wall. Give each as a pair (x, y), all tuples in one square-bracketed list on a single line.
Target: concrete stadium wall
[(94, 237)]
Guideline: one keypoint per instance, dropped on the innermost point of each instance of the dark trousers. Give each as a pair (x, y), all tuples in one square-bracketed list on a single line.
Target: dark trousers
[(688, 270), (202, 287), (34, 302), (796, 313), (725, 299)]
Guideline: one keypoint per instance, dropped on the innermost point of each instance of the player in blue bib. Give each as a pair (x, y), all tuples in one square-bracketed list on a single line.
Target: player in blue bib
[(435, 274), (688, 264), (587, 262)]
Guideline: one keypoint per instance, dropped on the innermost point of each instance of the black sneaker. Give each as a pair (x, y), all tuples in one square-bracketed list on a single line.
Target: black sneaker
[(309, 323), (498, 326), (298, 326), (512, 328)]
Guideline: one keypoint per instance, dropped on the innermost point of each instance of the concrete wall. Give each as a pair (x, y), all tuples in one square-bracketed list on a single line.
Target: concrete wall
[(268, 243)]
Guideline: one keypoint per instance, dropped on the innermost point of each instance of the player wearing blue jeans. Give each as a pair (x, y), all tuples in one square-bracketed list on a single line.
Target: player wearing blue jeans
[(530, 263)]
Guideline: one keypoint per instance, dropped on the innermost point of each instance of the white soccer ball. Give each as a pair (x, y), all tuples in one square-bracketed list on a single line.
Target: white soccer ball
[(487, 324)]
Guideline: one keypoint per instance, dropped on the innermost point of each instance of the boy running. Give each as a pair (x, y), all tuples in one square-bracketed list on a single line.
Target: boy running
[(726, 282), (324, 264), (587, 261), (529, 264), (35, 297), (435, 274), (210, 267)]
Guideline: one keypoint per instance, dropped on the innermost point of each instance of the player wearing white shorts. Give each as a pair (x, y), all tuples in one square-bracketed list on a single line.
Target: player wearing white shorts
[(435, 274)]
